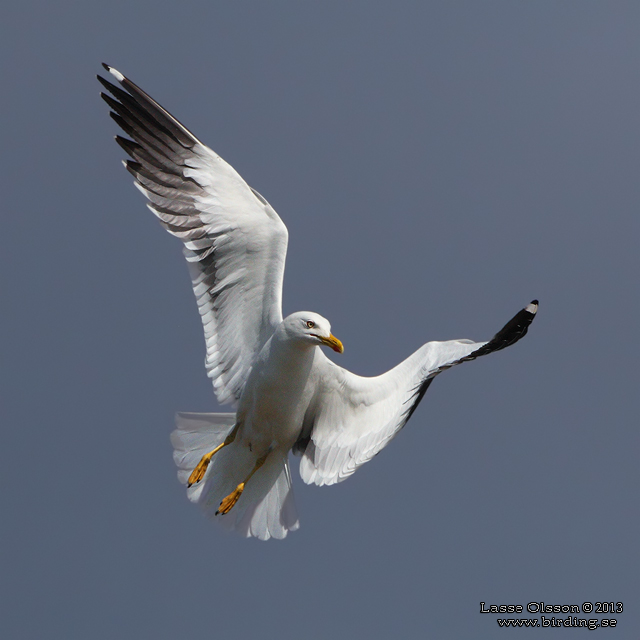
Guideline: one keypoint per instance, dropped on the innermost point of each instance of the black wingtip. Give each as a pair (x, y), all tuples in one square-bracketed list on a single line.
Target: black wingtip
[(515, 329), (111, 88), (106, 66), (128, 145)]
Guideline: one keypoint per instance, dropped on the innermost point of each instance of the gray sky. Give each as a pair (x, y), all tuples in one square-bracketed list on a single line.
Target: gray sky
[(438, 165)]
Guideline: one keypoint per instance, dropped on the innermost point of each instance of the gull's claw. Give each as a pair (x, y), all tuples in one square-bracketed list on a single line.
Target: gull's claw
[(198, 473), (227, 504)]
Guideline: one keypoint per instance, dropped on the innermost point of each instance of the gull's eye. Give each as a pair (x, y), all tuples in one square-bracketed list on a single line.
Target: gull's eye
[(310, 324)]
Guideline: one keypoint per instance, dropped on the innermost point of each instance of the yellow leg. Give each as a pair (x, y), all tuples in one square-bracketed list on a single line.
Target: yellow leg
[(227, 504), (198, 473)]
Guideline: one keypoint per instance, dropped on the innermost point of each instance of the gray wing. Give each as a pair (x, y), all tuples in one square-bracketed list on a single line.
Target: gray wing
[(234, 241), (353, 418)]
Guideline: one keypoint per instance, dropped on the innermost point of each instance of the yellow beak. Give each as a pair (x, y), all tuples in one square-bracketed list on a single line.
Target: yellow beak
[(332, 342)]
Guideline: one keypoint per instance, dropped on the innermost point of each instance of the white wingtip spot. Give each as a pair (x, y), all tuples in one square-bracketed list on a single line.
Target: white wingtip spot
[(116, 73), (532, 307)]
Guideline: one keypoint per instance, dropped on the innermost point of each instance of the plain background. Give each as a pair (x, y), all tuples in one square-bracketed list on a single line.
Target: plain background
[(438, 165)]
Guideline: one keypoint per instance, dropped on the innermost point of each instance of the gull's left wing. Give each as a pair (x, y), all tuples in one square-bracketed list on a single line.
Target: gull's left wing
[(352, 418), (233, 240)]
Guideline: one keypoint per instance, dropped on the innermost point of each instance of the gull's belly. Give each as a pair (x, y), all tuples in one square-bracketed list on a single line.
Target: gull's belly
[(275, 424), (274, 403), (274, 418)]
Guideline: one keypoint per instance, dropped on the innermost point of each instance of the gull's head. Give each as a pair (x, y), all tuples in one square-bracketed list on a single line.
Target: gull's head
[(311, 328)]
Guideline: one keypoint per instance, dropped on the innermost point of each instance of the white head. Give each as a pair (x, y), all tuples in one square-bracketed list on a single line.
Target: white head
[(311, 328)]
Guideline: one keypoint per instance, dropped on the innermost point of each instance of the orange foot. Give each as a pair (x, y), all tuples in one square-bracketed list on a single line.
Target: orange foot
[(198, 473), (227, 504)]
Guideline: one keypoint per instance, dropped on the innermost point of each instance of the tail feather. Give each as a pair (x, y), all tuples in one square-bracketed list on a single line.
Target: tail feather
[(269, 509), (198, 433), (266, 509)]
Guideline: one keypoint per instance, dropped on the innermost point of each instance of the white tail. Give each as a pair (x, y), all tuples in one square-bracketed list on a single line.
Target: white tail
[(266, 508)]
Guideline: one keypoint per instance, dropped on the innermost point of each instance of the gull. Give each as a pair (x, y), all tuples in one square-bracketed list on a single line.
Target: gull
[(287, 395)]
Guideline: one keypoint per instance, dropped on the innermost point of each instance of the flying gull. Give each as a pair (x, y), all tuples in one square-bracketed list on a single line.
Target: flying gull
[(287, 395)]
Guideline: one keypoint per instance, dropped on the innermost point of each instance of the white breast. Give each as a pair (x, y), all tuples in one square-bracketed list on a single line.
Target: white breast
[(277, 394)]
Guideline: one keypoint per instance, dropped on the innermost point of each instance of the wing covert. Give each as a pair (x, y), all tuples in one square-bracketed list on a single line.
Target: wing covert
[(234, 241)]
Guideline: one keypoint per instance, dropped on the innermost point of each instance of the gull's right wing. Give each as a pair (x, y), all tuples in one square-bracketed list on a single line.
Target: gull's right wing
[(233, 239)]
